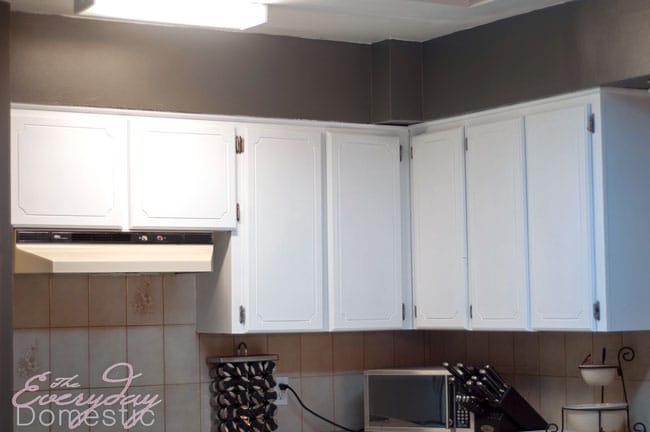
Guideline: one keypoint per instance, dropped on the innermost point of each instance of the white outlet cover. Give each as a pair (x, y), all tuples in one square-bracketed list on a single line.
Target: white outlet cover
[(283, 395)]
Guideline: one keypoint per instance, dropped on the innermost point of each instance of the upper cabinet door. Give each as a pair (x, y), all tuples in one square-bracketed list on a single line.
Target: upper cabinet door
[(496, 226), (560, 219), (182, 174), (283, 214), (68, 170), (364, 231), (439, 230)]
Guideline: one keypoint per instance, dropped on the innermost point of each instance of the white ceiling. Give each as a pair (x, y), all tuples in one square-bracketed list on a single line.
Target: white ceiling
[(362, 21)]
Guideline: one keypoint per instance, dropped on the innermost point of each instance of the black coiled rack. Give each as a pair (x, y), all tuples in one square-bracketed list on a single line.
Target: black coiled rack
[(242, 392)]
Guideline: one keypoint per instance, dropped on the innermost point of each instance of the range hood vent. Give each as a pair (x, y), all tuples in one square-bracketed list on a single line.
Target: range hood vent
[(112, 252)]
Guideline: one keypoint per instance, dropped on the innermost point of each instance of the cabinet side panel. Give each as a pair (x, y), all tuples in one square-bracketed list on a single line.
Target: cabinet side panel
[(214, 290), (626, 147)]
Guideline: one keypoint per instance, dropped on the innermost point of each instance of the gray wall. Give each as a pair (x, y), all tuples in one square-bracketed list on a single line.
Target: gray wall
[(68, 61), (6, 344), (577, 45)]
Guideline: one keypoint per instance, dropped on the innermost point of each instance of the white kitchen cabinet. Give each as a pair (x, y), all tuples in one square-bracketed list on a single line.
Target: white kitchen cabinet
[(181, 174), (68, 169), (439, 229), (496, 225), (588, 212), (560, 218), (269, 275), (364, 231)]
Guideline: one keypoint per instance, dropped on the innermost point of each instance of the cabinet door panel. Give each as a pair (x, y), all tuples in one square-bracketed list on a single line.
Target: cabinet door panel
[(560, 219), (439, 229), (182, 174), (68, 170), (364, 235), (496, 225), (284, 216)]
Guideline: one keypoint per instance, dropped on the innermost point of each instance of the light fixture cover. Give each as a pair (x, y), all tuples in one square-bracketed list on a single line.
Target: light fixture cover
[(232, 14)]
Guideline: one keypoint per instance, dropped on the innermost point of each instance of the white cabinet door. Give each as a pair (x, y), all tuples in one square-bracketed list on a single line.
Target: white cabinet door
[(283, 215), (68, 170), (364, 231), (560, 219), (496, 226), (182, 174), (439, 230)]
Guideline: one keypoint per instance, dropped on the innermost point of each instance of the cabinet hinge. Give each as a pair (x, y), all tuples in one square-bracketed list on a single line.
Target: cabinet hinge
[(411, 152), (242, 315), (471, 312), (237, 212), (466, 144), (415, 311), (401, 149), (591, 124), (597, 311), (403, 312), (239, 144)]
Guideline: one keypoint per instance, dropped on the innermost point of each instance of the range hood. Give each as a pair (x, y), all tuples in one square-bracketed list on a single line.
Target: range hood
[(111, 252)]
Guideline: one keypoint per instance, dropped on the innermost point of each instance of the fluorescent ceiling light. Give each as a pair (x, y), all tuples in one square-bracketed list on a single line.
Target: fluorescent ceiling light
[(233, 14)]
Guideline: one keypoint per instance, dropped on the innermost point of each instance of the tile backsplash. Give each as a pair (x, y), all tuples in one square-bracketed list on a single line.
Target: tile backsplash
[(79, 325)]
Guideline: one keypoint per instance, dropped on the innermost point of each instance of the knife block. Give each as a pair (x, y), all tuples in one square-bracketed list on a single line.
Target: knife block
[(512, 413)]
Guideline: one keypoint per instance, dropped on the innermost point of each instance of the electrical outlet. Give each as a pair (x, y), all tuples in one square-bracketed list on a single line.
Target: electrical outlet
[(283, 395)]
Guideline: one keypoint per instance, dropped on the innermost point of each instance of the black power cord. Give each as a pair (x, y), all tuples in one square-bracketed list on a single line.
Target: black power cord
[(288, 387)]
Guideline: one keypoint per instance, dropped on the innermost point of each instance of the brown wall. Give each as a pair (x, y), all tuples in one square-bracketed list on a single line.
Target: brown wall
[(6, 357), (573, 46), (67, 61)]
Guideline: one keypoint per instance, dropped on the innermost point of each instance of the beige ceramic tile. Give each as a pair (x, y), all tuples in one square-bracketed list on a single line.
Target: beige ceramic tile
[(502, 351), (578, 347), (62, 419), (317, 394), (478, 349), (577, 391), (213, 346), (107, 299), (289, 417), (409, 348), (435, 348), (639, 394), (144, 300), (69, 354), (180, 298), (31, 301), (206, 408), (69, 301), (455, 347), (287, 347), (348, 400), (347, 351), (27, 419), (639, 368), (552, 357), (182, 407), (181, 355), (107, 347), (154, 419), (145, 353), (256, 343), (31, 356), (529, 388), (611, 342), (379, 351), (552, 398), (316, 353), (526, 353)]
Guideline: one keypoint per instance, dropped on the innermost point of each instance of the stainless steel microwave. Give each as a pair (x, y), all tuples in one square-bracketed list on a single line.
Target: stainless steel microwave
[(412, 400)]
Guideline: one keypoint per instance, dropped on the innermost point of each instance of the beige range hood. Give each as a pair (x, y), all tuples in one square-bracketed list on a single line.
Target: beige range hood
[(112, 252)]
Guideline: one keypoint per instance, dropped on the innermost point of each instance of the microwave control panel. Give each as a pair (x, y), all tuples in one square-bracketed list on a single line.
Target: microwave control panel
[(463, 420)]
